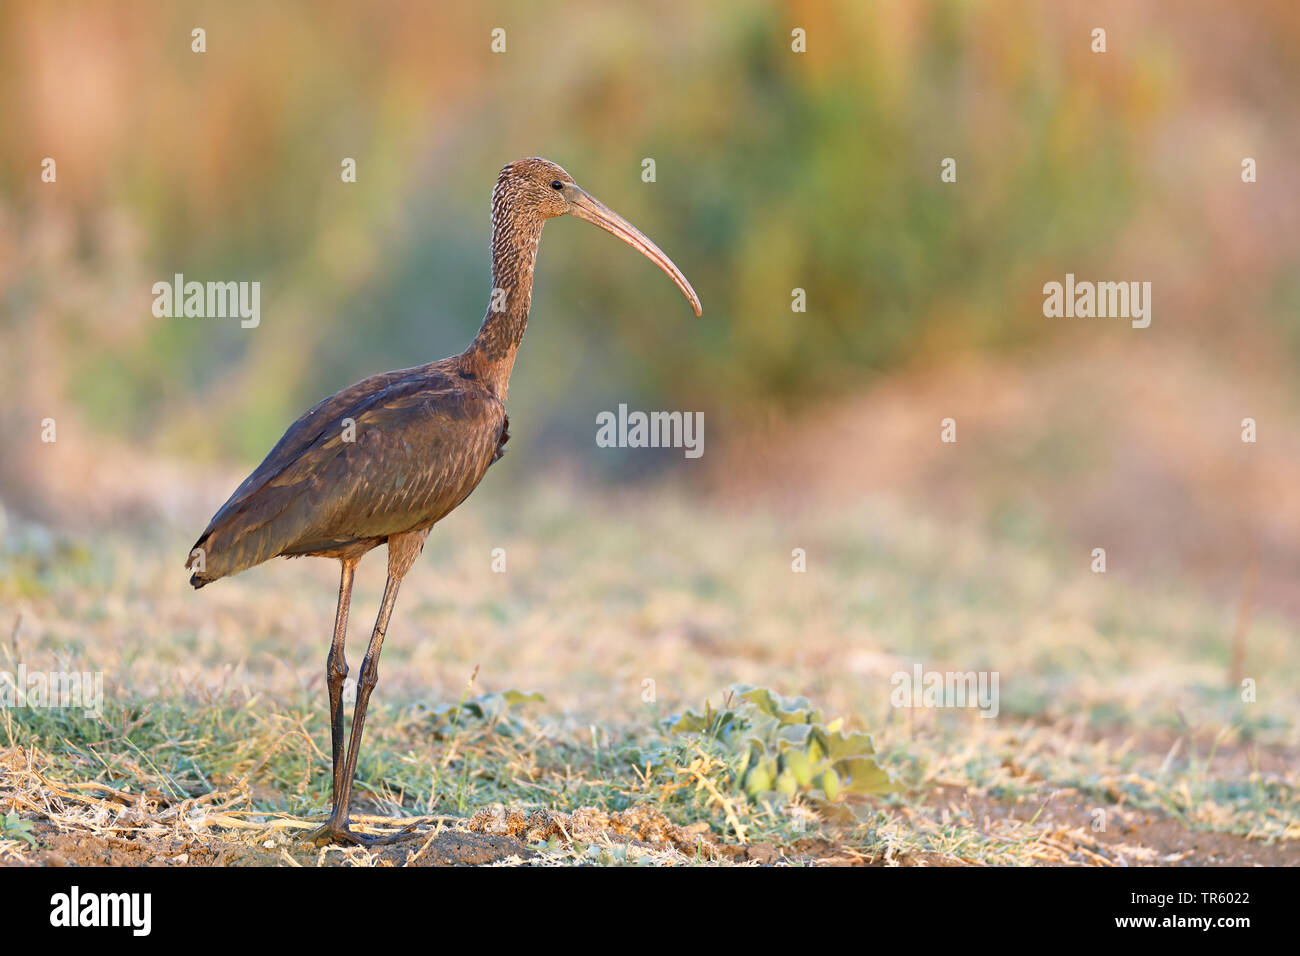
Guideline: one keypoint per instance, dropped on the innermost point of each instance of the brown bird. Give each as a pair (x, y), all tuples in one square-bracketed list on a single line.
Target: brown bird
[(383, 460)]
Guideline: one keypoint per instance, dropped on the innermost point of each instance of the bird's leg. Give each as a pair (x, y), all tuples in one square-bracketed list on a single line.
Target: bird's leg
[(402, 551), (336, 829), (336, 671)]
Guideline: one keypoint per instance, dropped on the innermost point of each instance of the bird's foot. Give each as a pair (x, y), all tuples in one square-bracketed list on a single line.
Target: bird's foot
[(341, 833)]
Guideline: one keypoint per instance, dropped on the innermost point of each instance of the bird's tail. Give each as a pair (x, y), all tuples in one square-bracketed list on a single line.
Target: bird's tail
[(197, 562), (221, 552), (240, 541)]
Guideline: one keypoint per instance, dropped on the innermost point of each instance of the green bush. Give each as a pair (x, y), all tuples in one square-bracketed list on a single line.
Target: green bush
[(781, 747)]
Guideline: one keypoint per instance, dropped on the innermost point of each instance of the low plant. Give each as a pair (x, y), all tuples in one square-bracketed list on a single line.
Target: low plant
[(781, 747)]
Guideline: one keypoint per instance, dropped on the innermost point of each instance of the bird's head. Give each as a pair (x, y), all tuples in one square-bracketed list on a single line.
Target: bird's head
[(541, 188)]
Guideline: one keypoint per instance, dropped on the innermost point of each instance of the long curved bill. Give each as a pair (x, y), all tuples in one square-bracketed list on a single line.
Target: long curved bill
[(591, 209)]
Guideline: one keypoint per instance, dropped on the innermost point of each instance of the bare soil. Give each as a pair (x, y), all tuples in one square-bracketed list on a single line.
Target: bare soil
[(511, 837)]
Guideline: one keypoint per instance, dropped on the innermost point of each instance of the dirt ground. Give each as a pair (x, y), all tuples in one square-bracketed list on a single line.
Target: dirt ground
[(1136, 839), (1064, 829)]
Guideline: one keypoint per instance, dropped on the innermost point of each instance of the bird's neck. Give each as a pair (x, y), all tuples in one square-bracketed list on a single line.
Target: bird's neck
[(514, 254)]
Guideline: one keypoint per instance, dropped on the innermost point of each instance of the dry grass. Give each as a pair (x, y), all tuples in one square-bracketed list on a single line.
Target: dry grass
[(213, 743)]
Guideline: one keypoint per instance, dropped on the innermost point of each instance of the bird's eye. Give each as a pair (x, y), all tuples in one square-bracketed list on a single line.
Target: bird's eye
[(557, 185)]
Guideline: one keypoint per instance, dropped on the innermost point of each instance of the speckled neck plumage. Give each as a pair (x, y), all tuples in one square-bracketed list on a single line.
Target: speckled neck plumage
[(516, 231)]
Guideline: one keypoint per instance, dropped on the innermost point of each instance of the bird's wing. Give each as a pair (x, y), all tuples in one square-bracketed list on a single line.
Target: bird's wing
[(321, 419), (415, 457), (414, 449)]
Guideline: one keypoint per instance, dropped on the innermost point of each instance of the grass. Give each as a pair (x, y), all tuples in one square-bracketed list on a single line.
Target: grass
[(213, 741)]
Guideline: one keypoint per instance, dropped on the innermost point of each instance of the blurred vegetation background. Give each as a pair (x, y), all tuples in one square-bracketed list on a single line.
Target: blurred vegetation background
[(775, 170)]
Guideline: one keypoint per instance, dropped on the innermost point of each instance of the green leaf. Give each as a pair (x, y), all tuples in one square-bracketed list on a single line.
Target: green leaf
[(760, 697), (757, 780), (840, 745), (14, 827), (866, 776), (829, 781), (513, 697), (689, 723), (786, 783), (795, 735), (797, 762)]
